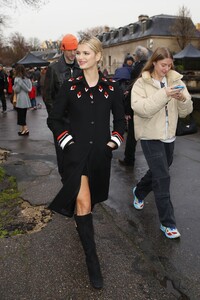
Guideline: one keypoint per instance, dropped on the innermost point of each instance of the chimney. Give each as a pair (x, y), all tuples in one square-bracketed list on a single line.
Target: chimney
[(106, 29), (143, 18)]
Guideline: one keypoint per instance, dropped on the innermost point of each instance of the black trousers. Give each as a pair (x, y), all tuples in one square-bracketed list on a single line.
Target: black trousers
[(59, 156), (21, 116), (129, 153), (3, 101)]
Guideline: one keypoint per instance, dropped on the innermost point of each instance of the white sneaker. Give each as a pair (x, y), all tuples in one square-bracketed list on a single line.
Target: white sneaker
[(170, 232), (138, 204)]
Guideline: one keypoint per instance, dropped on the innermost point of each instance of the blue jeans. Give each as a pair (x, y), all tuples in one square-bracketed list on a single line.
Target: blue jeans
[(159, 157), (33, 102)]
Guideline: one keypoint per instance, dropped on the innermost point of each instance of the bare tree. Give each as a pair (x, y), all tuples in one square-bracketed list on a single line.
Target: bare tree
[(183, 27), (2, 19), (34, 43), (93, 31), (18, 46), (17, 42), (14, 3)]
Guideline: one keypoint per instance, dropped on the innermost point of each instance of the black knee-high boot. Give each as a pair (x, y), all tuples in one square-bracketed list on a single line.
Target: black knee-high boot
[(86, 233)]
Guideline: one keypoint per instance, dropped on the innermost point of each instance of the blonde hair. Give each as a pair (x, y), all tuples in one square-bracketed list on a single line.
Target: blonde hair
[(92, 42)]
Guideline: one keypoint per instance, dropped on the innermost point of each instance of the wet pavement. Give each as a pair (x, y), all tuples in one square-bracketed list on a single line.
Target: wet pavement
[(138, 261)]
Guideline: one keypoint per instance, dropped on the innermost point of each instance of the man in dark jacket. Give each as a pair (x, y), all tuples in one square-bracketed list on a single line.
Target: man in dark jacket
[(3, 88), (61, 70), (56, 74), (140, 57)]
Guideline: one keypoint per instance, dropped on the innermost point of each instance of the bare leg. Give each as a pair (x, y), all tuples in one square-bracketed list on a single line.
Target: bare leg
[(83, 201)]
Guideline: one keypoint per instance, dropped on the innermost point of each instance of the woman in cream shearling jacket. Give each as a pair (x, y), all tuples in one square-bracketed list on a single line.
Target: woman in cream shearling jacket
[(157, 104), (148, 101)]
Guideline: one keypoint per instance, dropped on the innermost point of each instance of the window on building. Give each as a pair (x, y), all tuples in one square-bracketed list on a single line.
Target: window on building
[(109, 61)]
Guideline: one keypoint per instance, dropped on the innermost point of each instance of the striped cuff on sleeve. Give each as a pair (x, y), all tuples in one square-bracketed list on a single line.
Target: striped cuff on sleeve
[(116, 138), (64, 139)]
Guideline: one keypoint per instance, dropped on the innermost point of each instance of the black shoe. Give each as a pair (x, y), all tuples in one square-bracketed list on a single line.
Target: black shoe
[(125, 163), (26, 132)]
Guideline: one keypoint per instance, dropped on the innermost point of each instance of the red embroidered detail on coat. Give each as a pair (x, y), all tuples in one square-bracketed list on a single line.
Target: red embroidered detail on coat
[(112, 80), (73, 87), (91, 96), (79, 77), (111, 88), (61, 135), (100, 88), (106, 95), (71, 79), (115, 133), (79, 94), (104, 79), (86, 89)]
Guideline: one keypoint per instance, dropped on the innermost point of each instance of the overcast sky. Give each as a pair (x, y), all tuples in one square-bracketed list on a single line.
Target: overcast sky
[(62, 16)]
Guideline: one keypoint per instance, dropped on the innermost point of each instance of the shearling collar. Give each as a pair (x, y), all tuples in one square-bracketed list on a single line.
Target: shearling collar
[(172, 76)]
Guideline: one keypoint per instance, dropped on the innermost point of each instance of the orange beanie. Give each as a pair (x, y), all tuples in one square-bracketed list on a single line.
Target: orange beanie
[(69, 42)]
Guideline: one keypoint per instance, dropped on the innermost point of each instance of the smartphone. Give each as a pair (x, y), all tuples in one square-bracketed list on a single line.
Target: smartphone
[(179, 87)]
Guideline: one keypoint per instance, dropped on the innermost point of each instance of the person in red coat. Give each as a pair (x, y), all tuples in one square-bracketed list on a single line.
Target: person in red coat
[(88, 143), (10, 82), (32, 94)]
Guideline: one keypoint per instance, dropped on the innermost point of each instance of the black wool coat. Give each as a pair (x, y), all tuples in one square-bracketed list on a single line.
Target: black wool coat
[(89, 111)]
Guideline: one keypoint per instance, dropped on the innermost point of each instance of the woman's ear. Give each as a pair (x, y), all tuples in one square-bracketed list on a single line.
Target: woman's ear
[(98, 56)]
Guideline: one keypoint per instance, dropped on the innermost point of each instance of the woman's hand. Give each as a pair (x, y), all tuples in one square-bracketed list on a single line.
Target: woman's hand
[(175, 93), (111, 145), (179, 96), (127, 117)]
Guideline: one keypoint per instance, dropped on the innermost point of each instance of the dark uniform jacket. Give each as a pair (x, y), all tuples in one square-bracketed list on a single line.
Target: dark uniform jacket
[(56, 74), (89, 111), (135, 73), (3, 82)]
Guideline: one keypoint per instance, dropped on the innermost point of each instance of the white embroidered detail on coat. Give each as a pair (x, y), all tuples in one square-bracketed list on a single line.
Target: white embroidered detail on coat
[(91, 96), (104, 79), (73, 87), (71, 79), (79, 95), (106, 95), (86, 89), (79, 77), (111, 88), (100, 88)]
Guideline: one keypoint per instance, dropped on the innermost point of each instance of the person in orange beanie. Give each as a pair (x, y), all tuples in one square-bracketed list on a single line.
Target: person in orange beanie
[(57, 72)]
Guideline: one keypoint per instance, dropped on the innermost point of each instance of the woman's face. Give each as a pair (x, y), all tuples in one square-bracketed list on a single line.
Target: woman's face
[(162, 67), (86, 57)]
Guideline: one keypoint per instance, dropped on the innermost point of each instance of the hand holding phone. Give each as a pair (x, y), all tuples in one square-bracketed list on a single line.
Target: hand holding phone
[(178, 87)]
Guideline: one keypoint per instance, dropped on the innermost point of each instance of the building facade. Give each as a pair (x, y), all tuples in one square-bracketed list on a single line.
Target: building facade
[(150, 32)]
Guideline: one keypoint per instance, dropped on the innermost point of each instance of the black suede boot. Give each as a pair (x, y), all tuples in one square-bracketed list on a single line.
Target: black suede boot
[(86, 233)]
